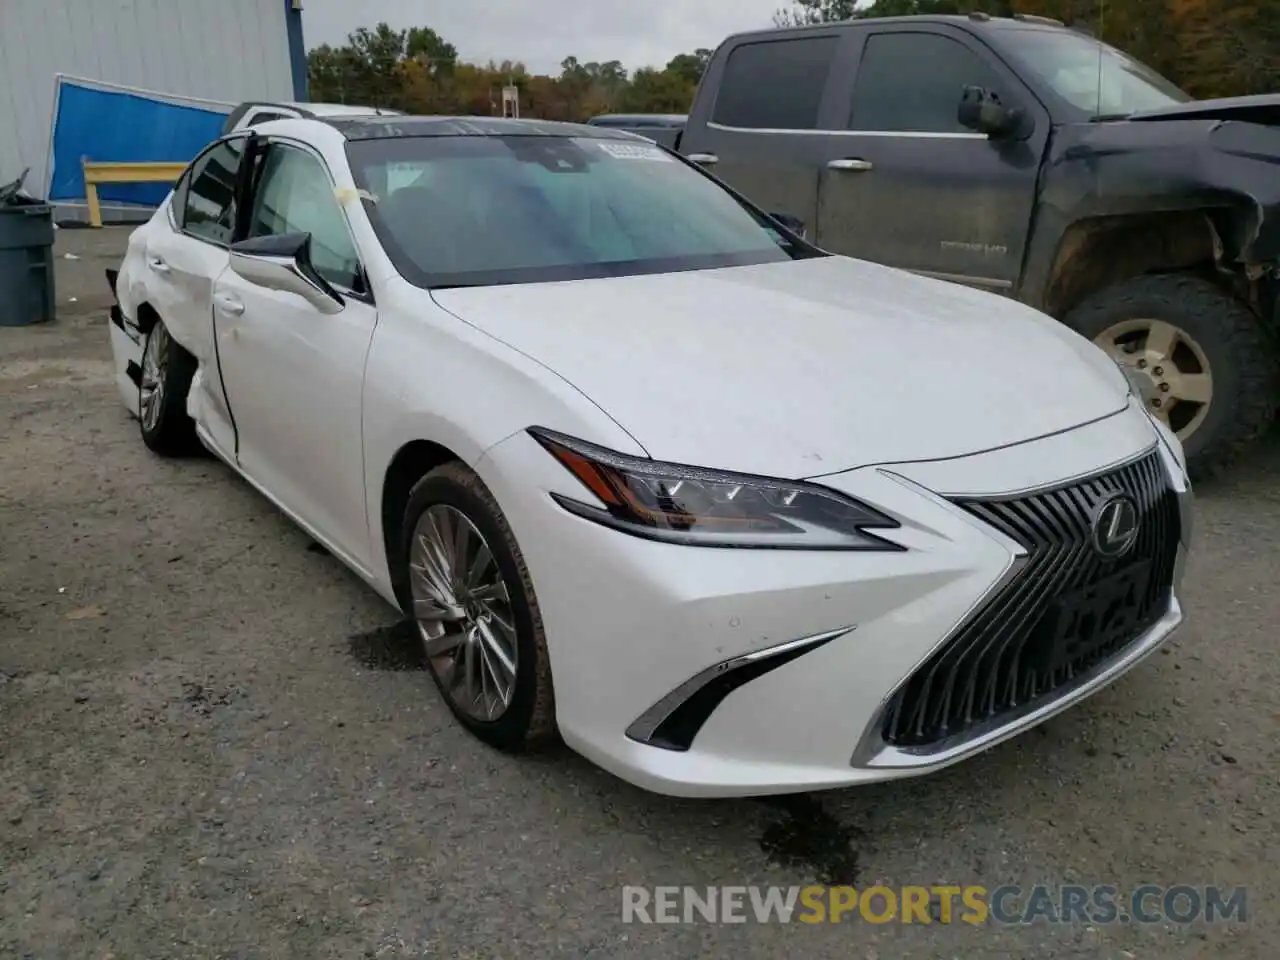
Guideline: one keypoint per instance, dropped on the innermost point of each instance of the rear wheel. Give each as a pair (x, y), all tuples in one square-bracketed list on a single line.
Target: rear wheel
[(1209, 370), (163, 385), (470, 594)]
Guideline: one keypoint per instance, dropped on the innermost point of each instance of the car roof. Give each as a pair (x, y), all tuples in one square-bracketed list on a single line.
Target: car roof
[(390, 127)]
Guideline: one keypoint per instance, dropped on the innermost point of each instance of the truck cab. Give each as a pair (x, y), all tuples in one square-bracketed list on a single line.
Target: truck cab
[(1029, 160)]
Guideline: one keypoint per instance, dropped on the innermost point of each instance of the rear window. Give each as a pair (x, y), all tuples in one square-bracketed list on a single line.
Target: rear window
[(775, 84)]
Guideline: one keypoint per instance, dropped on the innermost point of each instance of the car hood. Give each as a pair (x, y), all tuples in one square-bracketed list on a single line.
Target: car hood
[(1263, 108), (806, 367)]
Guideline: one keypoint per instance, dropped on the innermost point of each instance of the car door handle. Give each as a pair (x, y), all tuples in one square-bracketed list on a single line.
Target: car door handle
[(228, 304), (706, 159), (157, 264), (853, 164)]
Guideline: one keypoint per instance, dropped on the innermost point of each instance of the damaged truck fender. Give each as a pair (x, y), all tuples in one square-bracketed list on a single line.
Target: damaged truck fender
[(1024, 166)]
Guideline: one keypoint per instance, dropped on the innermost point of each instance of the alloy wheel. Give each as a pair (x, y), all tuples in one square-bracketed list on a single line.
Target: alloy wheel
[(1176, 366), (155, 360), (463, 609)]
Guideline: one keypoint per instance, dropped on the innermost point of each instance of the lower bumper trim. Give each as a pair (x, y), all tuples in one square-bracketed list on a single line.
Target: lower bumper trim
[(673, 722)]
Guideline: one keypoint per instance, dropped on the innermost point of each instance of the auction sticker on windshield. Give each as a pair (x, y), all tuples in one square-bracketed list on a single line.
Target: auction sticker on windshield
[(633, 151)]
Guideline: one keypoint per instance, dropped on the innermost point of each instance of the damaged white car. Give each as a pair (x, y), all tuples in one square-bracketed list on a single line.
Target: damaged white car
[(649, 470)]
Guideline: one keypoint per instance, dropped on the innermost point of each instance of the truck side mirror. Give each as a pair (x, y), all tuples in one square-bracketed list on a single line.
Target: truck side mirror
[(980, 110)]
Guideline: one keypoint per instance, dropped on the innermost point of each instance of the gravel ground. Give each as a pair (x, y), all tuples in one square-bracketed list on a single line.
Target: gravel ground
[(218, 744)]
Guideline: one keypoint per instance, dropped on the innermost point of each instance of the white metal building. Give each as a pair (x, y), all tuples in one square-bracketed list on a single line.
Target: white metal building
[(219, 51)]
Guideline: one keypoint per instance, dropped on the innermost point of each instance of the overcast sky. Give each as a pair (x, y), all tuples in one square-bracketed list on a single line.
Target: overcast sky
[(541, 33)]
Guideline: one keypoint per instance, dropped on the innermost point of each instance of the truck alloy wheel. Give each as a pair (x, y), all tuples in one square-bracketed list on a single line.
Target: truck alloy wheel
[(1181, 380), (1209, 368)]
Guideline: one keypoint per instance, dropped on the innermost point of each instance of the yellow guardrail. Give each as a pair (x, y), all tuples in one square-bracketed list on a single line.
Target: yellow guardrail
[(99, 173)]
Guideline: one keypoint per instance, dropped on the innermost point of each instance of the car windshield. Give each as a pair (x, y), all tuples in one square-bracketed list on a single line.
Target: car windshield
[(1092, 76), (477, 211)]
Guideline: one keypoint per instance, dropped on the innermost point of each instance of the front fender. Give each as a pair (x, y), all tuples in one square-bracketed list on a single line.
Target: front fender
[(430, 376), (1115, 170)]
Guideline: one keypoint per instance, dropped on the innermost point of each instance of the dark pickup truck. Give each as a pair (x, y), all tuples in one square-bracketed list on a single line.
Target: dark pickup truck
[(1027, 159)]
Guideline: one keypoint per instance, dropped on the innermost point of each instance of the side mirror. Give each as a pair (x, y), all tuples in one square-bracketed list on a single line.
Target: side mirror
[(284, 263), (980, 110), (794, 224)]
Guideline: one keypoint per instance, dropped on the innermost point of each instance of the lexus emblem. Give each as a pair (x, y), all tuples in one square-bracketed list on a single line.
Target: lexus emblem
[(1115, 527)]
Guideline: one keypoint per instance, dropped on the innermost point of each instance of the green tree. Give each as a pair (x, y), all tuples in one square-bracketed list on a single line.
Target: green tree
[(657, 91), (803, 12), (425, 45), (690, 66)]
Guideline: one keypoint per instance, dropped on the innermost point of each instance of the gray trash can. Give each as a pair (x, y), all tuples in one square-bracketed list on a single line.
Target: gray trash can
[(26, 259)]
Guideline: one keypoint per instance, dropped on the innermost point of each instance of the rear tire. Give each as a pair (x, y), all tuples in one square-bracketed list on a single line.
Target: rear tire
[(1205, 328), (163, 385), (492, 609)]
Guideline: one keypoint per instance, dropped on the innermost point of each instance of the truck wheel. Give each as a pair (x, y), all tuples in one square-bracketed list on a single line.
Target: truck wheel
[(1212, 371)]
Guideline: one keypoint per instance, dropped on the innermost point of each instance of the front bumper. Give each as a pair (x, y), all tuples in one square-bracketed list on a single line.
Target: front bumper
[(788, 658)]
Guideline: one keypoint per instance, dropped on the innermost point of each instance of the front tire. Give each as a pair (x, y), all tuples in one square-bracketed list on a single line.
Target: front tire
[(469, 591), (1212, 370), (163, 385)]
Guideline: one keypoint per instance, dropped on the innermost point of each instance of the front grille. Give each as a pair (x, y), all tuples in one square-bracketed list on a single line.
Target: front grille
[(1066, 611)]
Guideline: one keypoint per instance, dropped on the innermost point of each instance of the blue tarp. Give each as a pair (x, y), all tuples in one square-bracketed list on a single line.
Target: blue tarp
[(111, 126)]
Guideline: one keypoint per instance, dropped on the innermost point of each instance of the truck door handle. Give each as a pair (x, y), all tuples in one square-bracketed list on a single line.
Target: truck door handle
[(853, 164), (706, 159), (228, 304), (157, 264)]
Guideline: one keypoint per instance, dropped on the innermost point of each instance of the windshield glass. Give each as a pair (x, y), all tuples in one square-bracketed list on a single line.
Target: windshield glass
[(1092, 76), (473, 211)]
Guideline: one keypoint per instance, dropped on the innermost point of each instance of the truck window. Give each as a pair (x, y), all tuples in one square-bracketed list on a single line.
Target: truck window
[(912, 83), (775, 84)]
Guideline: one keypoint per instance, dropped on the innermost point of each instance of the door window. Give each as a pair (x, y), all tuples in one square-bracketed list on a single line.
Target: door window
[(295, 195), (208, 204), (775, 84), (912, 83)]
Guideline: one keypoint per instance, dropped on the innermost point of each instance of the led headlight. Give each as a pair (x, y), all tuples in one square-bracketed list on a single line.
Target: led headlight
[(695, 506)]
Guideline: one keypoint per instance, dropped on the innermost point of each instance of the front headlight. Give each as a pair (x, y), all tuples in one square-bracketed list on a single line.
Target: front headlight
[(699, 507)]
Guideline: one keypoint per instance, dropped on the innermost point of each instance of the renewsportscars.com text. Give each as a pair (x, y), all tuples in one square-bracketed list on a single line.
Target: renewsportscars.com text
[(971, 904)]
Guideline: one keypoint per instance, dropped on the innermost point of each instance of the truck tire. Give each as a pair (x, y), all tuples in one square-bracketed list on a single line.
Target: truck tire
[(1212, 370)]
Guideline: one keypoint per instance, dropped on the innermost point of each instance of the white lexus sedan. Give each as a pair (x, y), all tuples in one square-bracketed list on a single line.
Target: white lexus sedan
[(651, 472)]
